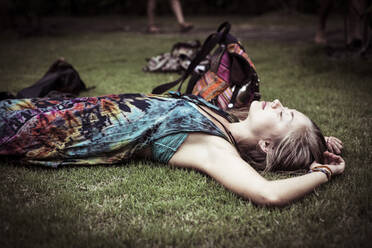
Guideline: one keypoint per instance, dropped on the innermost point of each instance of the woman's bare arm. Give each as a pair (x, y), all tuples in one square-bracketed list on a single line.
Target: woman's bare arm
[(217, 158)]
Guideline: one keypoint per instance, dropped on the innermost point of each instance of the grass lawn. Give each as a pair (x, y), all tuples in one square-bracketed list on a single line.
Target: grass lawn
[(145, 204)]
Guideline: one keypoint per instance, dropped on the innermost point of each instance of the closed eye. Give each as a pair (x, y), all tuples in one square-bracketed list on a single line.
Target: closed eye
[(290, 113)]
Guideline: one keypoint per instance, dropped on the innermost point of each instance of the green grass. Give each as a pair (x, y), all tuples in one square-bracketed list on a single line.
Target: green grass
[(144, 204)]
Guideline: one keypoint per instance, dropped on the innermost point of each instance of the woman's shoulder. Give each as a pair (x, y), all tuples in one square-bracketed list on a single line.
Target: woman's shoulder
[(199, 149), (207, 142)]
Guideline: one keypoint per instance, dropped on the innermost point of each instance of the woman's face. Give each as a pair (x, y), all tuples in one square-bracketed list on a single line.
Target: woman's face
[(268, 120)]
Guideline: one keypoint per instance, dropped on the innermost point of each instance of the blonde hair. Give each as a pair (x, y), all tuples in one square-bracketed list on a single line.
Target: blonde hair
[(294, 152)]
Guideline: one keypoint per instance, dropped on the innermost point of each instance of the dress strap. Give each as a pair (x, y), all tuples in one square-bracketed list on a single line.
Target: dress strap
[(203, 103), (231, 137)]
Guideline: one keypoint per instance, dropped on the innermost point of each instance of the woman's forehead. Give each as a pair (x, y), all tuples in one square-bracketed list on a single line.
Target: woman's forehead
[(300, 118)]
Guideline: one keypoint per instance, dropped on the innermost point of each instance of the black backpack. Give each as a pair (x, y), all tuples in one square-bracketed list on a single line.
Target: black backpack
[(229, 81), (61, 80)]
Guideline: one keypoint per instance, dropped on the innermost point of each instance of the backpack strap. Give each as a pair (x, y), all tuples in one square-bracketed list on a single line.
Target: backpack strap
[(207, 47)]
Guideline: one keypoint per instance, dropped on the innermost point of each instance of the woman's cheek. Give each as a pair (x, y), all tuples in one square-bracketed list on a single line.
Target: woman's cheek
[(264, 128)]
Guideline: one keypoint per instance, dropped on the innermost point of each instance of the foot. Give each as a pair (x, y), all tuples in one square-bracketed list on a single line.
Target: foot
[(320, 38), (186, 27), (152, 29)]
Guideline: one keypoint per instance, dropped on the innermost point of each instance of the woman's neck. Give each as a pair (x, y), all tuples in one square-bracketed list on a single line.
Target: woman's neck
[(239, 130), (242, 134)]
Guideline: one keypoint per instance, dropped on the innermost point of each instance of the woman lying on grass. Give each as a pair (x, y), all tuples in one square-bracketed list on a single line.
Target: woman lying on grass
[(182, 131)]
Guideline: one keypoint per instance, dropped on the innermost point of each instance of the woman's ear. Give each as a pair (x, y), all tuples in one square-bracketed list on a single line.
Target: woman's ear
[(265, 145)]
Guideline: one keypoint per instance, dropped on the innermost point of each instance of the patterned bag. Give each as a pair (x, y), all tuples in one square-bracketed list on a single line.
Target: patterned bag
[(229, 81), (177, 60)]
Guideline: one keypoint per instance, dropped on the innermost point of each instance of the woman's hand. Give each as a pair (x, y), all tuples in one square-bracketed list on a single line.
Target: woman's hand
[(334, 162), (334, 144)]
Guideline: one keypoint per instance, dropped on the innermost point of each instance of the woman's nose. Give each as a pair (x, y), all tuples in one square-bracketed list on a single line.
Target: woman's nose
[(276, 103)]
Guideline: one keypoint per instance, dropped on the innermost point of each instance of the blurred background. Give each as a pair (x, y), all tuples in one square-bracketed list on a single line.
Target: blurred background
[(351, 19), (11, 8), (12, 11)]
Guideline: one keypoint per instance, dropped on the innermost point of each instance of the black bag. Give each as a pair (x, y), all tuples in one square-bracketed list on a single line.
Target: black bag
[(229, 81), (60, 79)]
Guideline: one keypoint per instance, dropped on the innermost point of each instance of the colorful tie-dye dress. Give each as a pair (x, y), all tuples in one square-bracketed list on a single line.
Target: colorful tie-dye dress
[(99, 130)]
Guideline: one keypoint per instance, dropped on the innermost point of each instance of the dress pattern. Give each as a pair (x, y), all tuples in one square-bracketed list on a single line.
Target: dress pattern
[(94, 130)]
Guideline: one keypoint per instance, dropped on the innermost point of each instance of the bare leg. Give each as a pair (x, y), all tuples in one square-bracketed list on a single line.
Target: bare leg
[(151, 6), (325, 9), (355, 21), (177, 10)]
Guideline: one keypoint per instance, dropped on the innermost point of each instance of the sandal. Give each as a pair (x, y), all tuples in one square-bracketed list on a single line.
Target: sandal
[(186, 27), (152, 29)]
